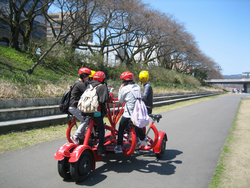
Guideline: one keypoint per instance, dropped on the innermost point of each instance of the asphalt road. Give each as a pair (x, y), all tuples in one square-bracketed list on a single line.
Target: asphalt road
[(196, 135)]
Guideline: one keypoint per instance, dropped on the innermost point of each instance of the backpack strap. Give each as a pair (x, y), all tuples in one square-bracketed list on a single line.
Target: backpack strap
[(97, 85), (128, 109), (139, 95), (134, 96)]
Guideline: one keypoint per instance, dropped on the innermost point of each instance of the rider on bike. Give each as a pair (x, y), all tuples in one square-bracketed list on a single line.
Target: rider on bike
[(76, 93), (103, 97), (147, 97), (126, 95)]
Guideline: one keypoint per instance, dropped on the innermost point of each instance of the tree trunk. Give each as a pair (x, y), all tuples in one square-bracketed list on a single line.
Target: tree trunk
[(14, 39), (30, 71), (26, 43)]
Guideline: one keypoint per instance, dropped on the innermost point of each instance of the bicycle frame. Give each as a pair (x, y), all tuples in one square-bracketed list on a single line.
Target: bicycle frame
[(77, 161)]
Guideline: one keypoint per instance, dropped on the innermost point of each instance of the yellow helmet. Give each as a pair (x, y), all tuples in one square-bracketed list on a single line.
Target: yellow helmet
[(92, 73), (144, 76)]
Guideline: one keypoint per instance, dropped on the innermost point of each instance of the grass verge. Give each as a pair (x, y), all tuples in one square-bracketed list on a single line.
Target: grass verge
[(233, 168), (17, 140)]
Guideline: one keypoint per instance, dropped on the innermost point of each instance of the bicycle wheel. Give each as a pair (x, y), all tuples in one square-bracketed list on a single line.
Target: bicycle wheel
[(63, 168), (163, 147), (81, 169)]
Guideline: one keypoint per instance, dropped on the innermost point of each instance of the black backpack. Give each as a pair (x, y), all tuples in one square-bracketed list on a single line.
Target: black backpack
[(65, 101)]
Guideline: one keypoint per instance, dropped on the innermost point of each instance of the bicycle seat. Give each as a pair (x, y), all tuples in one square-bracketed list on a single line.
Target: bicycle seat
[(156, 117), (88, 114)]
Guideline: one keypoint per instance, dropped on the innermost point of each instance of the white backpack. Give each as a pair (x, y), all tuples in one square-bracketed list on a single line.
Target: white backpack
[(139, 117), (88, 102)]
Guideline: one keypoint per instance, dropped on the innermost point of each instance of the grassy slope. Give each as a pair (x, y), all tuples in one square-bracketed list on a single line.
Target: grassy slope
[(53, 77), (13, 62), (46, 80)]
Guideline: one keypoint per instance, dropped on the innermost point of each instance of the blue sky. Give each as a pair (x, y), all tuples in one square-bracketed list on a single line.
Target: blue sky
[(221, 28)]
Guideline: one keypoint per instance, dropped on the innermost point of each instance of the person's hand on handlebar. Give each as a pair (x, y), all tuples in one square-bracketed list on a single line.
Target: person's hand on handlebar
[(111, 89)]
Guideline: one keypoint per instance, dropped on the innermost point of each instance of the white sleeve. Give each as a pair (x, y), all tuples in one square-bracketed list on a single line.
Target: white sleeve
[(121, 95)]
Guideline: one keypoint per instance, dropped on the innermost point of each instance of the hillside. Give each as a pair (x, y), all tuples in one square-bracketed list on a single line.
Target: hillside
[(55, 74)]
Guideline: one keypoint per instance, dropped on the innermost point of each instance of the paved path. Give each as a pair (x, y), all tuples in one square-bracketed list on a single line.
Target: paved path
[(196, 136)]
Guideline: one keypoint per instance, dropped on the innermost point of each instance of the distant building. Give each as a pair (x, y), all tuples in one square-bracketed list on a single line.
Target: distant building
[(38, 30)]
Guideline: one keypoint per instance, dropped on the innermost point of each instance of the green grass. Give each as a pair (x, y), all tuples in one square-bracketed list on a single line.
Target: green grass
[(14, 65), (21, 139)]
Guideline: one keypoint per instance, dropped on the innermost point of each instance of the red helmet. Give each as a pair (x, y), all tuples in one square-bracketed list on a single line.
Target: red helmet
[(99, 76), (84, 70), (127, 76)]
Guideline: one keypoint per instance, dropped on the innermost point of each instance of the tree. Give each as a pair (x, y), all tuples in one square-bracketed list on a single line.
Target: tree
[(136, 33), (66, 24), (110, 26), (77, 20), (19, 16)]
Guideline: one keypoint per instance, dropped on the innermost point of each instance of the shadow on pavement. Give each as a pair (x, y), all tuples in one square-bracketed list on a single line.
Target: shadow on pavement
[(144, 162)]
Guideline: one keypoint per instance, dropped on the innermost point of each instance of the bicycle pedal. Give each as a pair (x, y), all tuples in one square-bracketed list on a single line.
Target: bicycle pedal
[(137, 151), (102, 154)]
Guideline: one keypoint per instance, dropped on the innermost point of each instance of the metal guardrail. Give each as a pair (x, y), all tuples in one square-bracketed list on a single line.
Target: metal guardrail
[(25, 114)]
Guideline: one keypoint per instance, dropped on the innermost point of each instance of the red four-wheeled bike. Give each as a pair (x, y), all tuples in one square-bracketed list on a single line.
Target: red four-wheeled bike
[(77, 161)]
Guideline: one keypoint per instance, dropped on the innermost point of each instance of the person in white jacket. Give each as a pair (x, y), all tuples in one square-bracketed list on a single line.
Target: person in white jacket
[(125, 94)]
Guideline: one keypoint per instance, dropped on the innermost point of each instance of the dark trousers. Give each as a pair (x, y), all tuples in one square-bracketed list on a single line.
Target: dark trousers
[(100, 125), (123, 124), (149, 110), (140, 133)]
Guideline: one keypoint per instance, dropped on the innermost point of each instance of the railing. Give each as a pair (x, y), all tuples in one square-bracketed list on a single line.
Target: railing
[(30, 113)]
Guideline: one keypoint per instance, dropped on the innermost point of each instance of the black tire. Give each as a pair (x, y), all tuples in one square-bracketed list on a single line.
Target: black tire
[(63, 168), (163, 147), (81, 169)]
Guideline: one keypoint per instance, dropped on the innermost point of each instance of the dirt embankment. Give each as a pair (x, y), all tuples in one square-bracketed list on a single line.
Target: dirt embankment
[(236, 172)]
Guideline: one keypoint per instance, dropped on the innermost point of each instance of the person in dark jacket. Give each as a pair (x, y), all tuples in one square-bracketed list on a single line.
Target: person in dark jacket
[(103, 97), (147, 97), (76, 93)]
